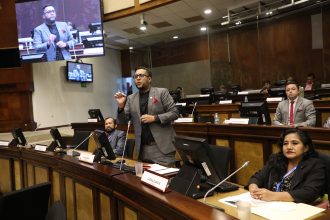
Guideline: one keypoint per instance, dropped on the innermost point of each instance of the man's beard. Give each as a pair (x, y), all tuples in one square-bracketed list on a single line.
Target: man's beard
[(109, 130)]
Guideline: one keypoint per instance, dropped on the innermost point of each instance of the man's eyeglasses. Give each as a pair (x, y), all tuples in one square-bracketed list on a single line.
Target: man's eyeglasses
[(50, 11), (141, 76)]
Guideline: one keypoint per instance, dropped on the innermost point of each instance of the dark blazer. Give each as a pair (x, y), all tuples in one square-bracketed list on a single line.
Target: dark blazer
[(304, 113), (315, 85), (308, 181), (41, 34), (160, 103)]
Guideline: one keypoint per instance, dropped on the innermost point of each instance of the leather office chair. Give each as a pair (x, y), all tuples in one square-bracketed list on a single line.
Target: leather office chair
[(27, 203), (326, 160), (130, 144), (223, 156), (80, 136)]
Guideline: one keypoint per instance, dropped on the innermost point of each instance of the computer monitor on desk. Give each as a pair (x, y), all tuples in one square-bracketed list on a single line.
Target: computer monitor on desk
[(257, 112), (57, 140), (200, 171)]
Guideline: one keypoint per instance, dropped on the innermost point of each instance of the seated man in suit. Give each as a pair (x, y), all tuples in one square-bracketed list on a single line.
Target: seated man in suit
[(311, 84), (53, 37), (115, 137), (295, 111)]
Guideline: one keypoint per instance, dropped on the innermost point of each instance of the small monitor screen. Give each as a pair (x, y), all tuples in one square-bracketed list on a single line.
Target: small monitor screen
[(59, 29), (103, 144), (18, 136), (96, 113), (58, 140), (79, 72), (257, 112)]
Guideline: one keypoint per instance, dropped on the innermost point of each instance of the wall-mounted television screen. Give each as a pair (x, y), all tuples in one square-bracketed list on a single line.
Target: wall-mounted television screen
[(79, 72), (59, 29)]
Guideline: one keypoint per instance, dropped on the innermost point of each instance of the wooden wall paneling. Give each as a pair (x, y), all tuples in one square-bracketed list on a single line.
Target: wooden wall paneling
[(70, 199), (30, 175), (105, 206), (326, 43), (6, 176), (56, 186), (41, 174), (18, 172), (247, 151), (84, 202), (245, 57)]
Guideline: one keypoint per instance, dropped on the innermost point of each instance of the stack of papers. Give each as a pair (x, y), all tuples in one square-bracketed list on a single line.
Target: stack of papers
[(162, 170), (275, 210)]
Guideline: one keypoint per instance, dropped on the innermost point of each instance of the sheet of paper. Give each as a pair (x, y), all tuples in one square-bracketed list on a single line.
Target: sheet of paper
[(275, 210)]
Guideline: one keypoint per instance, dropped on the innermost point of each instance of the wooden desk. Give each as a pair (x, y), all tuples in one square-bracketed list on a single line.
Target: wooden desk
[(95, 191), (214, 200)]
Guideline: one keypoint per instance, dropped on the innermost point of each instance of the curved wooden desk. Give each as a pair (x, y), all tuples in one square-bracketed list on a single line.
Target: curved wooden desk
[(95, 191)]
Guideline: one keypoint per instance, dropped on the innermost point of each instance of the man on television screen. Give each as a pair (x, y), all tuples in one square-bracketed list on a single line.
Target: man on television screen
[(152, 111), (79, 74), (53, 37)]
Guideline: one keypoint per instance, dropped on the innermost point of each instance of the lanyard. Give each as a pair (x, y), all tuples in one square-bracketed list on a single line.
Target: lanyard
[(278, 185)]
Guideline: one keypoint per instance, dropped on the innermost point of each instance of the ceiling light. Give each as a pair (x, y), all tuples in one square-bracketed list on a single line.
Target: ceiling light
[(175, 37), (143, 24), (268, 13), (207, 11), (238, 22), (203, 28), (131, 48)]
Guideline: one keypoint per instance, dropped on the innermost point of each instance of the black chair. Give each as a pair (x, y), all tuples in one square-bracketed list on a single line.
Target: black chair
[(79, 137), (130, 144), (326, 160), (223, 156), (27, 203)]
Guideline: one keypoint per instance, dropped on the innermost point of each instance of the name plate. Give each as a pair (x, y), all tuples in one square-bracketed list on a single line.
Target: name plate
[(183, 120), (39, 147), (158, 182), (274, 99), (4, 143), (92, 120), (88, 158), (226, 102), (243, 121), (181, 104), (243, 93)]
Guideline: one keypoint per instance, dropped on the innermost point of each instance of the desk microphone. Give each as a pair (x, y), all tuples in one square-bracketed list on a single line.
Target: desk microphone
[(192, 113), (122, 156), (221, 182), (33, 133), (75, 153)]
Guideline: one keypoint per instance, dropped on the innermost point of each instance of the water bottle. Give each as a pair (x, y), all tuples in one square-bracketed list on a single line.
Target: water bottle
[(216, 118), (246, 99)]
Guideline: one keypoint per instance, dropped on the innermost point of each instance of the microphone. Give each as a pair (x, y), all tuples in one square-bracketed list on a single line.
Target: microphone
[(192, 113), (221, 182), (33, 134), (122, 156), (75, 153)]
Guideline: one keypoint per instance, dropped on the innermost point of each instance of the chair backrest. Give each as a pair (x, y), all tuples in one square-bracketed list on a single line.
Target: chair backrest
[(27, 203), (326, 159), (222, 156), (78, 137), (130, 144)]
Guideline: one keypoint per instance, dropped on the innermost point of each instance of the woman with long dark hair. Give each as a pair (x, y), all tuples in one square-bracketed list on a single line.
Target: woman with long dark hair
[(295, 173)]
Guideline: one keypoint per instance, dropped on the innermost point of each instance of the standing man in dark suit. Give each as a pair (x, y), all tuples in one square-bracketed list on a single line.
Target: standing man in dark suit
[(295, 111), (152, 111), (53, 37), (115, 137)]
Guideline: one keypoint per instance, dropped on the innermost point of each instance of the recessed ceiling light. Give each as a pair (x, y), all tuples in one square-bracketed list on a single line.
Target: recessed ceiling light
[(207, 11), (175, 37), (203, 28), (131, 48)]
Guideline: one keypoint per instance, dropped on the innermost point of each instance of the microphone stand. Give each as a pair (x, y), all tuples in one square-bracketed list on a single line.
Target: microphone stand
[(33, 133), (221, 182), (122, 156), (74, 153)]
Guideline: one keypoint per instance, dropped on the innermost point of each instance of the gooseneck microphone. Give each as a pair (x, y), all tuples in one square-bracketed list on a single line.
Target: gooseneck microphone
[(193, 111), (75, 153), (221, 182), (122, 156)]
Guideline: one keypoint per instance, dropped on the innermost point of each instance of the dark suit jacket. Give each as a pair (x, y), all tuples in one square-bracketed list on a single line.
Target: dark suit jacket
[(160, 103), (304, 113), (308, 181), (41, 34)]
